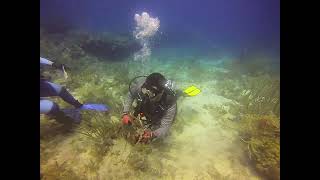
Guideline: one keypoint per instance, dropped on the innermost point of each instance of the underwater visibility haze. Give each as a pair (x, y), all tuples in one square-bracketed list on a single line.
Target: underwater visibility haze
[(220, 60)]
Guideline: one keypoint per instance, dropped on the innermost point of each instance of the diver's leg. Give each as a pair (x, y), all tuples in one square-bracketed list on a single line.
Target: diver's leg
[(66, 96), (47, 106), (46, 90), (52, 109), (52, 89)]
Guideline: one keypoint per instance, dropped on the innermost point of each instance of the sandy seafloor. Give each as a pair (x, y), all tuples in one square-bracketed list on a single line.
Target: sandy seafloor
[(202, 149)]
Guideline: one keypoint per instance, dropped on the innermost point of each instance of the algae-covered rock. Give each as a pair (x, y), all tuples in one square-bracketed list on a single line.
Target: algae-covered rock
[(74, 45), (111, 47)]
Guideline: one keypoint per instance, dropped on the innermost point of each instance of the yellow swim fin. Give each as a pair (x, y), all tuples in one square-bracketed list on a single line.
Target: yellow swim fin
[(192, 91)]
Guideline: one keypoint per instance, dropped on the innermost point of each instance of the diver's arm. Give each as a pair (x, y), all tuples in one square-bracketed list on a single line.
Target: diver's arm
[(135, 90), (127, 103), (56, 65), (166, 121), (44, 61)]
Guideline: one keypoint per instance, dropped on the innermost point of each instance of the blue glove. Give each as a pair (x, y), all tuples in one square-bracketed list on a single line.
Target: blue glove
[(95, 107)]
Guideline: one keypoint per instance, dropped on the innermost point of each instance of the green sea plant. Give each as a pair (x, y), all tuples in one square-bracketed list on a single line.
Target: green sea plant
[(100, 130), (257, 115), (92, 165), (256, 94), (262, 95), (147, 164), (260, 135), (138, 157), (60, 171)]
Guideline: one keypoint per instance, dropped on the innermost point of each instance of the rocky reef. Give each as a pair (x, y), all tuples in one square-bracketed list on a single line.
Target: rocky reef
[(104, 46)]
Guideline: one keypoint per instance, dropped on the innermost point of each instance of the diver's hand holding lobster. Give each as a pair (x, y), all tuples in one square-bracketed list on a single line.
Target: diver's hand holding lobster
[(145, 137)]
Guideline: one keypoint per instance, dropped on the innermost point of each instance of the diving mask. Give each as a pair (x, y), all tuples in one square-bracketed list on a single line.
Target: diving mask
[(152, 92)]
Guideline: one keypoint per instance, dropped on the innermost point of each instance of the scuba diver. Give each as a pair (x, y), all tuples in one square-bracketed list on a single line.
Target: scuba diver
[(154, 104), (48, 89)]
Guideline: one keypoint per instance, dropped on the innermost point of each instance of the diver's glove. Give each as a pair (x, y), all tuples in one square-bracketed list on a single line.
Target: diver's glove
[(147, 136), (126, 119)]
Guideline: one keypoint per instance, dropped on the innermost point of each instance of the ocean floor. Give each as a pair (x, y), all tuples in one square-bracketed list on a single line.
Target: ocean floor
[(200, 145)]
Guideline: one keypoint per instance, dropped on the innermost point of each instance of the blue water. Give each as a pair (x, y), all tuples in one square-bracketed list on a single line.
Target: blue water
[(201, 24)]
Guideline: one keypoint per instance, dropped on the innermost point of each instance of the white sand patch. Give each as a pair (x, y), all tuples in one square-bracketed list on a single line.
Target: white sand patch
[(205, 143)]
